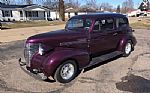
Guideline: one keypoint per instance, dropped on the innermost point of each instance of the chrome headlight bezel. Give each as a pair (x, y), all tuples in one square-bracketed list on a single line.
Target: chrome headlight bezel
[(41, 49), (35, 48)]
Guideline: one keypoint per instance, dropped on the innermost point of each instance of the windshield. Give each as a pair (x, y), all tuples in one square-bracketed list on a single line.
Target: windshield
[(79, 24)]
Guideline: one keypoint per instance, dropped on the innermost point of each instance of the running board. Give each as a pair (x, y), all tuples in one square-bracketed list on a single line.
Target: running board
[(103, 58)]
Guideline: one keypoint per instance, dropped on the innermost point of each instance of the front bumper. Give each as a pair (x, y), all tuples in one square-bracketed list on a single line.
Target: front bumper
[(31, 72)]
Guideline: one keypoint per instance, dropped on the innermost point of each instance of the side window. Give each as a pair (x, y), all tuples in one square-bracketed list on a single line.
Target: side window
[(87, 23), (103, 24), (97, 26), (107, 24), (122, 22)]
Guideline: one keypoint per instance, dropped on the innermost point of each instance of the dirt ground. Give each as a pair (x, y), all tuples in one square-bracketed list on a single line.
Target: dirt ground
[(118, 75), (9, 35)]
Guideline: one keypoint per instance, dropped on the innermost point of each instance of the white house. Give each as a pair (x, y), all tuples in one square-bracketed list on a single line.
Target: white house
[(134, 13), (25, 13)]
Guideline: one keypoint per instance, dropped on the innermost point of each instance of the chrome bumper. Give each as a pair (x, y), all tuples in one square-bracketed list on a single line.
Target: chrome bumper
[(34, 72)]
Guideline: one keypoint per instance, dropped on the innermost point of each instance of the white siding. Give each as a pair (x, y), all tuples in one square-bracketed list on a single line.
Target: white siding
[(16, 15), (54, 15), (73, 14), (81, 13), (37, 9), (1, 15)]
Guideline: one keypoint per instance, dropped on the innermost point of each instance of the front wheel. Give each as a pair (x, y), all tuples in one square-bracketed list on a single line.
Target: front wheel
[(127, 49), (66, 72)]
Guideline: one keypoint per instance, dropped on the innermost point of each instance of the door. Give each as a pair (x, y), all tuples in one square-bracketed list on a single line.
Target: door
[(104, 37)]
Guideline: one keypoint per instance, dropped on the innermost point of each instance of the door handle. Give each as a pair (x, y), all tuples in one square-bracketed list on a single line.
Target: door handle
[(115, 34)]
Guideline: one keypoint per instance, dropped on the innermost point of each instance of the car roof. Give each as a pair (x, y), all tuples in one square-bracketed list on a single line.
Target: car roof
[(99, 15)]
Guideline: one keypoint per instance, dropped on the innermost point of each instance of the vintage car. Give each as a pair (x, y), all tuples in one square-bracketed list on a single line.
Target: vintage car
[(86, 40)]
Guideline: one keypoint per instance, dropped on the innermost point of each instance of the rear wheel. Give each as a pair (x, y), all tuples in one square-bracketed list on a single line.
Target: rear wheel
[(66, 72), (127, 49)]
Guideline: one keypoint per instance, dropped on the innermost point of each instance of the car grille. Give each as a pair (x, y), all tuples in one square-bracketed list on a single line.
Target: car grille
[(29, 51)]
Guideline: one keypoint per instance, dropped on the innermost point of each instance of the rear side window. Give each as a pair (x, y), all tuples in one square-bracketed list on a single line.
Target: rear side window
[(103, 24), (122, 22), (107, 24)]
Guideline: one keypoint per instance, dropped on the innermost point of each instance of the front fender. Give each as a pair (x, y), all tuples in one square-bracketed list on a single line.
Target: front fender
[(58, 56)]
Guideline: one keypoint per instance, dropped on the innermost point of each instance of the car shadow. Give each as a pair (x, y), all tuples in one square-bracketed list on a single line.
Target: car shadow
[(101, 63), (49, 80), (134, 84), (5, 28)]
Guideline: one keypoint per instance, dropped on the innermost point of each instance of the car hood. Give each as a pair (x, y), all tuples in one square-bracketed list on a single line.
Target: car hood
[(56, 37)]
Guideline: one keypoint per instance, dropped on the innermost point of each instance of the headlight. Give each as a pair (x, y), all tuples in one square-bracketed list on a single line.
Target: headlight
[(41, 49), (32, 48)]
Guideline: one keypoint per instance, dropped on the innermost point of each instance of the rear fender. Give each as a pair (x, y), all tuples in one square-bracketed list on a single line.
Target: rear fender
[(124, 40), (122, 43)]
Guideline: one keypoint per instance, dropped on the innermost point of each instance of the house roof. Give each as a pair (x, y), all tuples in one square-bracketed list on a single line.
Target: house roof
[(32, 7), (14, 6)]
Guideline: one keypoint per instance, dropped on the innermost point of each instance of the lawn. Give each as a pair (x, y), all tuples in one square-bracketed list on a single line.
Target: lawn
[(11, 25), (139, 23), (136, 23)]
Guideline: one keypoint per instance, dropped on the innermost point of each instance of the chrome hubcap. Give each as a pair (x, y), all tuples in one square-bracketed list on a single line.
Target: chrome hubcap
[(128, 48), (67, 71)]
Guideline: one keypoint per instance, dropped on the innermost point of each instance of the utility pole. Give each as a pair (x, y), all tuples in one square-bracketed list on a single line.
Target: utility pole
[(61, 10)]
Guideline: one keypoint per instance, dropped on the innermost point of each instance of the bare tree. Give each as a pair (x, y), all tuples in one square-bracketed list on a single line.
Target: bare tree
[(118, 9), (72, 4), (61, 10), (51, 4), (92, 4), (29, 2), (106, 7), (6, 1), (57, 5), (127, 5)]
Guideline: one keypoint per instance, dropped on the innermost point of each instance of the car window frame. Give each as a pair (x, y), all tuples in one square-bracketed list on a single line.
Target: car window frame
[(104, 18), (84, 19), (117, 23)]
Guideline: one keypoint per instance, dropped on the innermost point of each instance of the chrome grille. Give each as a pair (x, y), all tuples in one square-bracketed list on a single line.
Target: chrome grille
[(29, 51)]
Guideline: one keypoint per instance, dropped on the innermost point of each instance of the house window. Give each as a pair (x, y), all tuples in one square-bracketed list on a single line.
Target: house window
[(29, 14), (48, 14), (32, 13), (7, 13), (21, 14)]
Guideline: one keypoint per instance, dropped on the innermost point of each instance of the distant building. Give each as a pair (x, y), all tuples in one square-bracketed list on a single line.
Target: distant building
[(134, 13), (25, 13), (143, 10)]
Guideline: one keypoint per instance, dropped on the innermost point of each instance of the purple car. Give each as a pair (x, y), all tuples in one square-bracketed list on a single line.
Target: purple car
[(85, 41)]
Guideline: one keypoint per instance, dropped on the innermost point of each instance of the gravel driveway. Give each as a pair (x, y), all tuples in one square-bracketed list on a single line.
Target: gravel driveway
[(118, 75)]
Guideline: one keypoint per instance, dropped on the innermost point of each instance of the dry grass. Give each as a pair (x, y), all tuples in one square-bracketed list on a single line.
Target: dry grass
[(136, 23), (31, 24), (140, 23)]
